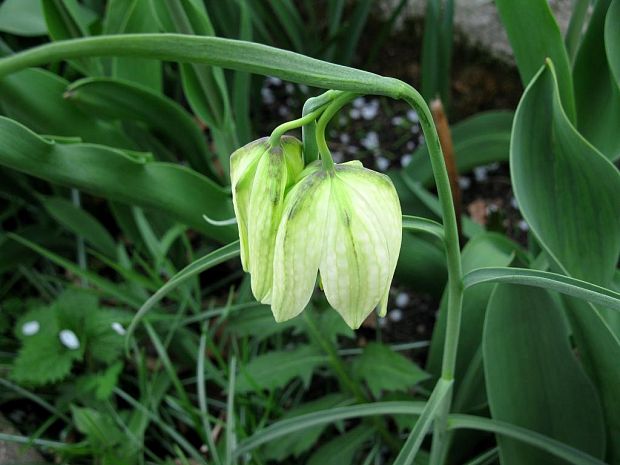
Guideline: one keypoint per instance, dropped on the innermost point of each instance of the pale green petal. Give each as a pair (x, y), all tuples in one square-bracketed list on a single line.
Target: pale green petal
[(264, 213), (362, 242), (298, 246), (292, 148), (243, 163)]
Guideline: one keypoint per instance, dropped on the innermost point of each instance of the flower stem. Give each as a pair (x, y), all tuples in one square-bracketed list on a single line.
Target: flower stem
[(282, 129), (455, 273), (328, 114)]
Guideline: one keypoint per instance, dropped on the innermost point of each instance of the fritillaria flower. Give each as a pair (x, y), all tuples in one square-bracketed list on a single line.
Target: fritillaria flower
[(260, 175)]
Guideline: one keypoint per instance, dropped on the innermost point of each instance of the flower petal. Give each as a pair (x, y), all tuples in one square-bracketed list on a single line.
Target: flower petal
[(264, 213), (298, 245), (362, 242)]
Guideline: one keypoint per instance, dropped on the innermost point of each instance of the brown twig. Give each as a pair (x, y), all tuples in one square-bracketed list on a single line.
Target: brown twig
[(445, 139)]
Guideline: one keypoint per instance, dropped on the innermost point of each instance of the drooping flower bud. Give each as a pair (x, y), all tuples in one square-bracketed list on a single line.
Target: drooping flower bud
[(347, 224), (260, 175)]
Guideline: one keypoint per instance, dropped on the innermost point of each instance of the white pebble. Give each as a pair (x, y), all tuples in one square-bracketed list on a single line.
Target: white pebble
[(30, 328), (481, 173), (410, 145), (370, 141), (523, 226), (464, 182), (344, 138), (406, 160), (304, 88), (395, 315), (359, 102), (289, 88), (69, 339), (120, 330), (402, 299), (274, 81), (397, 120), (382, 163), (337, 156), (413, 116), (354, 113), (382, 322), (514, 203), (370, 111), (267, 95)]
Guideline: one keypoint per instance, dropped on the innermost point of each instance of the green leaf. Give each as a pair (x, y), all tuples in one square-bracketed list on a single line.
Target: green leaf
[(385, 370), (566, 189), (43, 359), (291, 425), (532, 438), (437, 50), (81, 223), (277, 368), (113, 174), (342, 449), (198, 266), (543, 40), (299, 442), (597, 93), (612, 39), (546, 280), (478, 140), (257, 322), (489, 249), (568, 192), (133, 16), (22, 18), (534, 380), (419, 224), (109, 98), (34, 97), (436, 402)]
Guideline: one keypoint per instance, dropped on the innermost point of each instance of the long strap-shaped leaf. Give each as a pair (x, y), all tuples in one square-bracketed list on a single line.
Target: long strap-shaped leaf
[(424, 225), (547, 280), (418, 433), (198, 266), (227, 53), (455, 421), (570, 454)]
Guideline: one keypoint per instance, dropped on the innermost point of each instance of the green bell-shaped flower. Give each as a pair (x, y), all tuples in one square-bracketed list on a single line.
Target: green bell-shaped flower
[(347, 224), (260, 175)]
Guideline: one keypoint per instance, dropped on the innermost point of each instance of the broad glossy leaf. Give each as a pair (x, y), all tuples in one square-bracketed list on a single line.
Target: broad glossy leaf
[(535, 36), (109, 98), (385, 370), (478, 140), (173, 189), (276, 369), (34, 97), (22, 18), (597, 93), (533, 378), (568, 193)]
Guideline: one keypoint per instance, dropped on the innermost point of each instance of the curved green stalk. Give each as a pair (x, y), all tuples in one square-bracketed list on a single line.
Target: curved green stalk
[(328, 114), (282, 129)]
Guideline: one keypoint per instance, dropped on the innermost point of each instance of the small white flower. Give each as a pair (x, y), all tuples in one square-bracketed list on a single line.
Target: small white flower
[(395, 315), (523, 226), (464, 183), (354, 113), (397, 120), (481, 173), (30, 328), (370, 111), (69, 339), (120, 330)]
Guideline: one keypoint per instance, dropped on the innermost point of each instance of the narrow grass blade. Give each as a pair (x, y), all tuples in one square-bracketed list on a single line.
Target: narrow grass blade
[(547, 280), (571, 455)]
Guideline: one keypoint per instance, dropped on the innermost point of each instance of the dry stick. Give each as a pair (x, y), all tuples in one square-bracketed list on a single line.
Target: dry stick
[(445, 139)]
